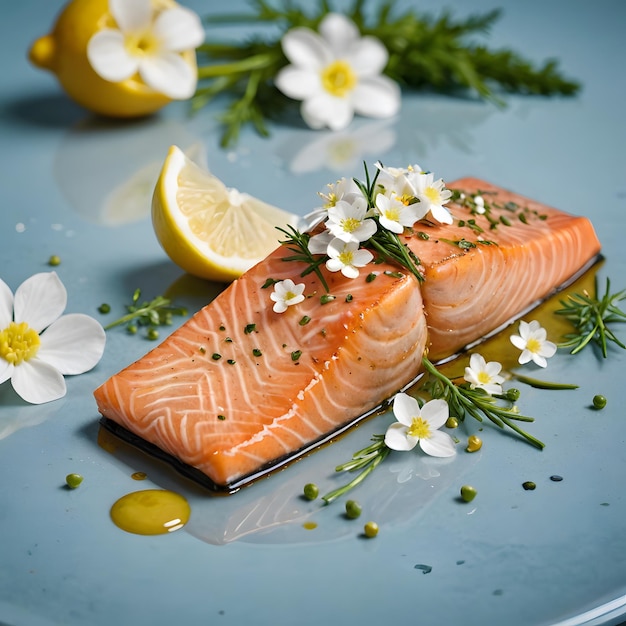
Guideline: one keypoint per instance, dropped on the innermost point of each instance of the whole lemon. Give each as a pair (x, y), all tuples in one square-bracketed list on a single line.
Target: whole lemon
[(64, 53)]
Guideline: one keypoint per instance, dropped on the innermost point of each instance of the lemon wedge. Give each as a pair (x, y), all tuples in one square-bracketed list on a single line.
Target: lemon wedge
[(209, 230)]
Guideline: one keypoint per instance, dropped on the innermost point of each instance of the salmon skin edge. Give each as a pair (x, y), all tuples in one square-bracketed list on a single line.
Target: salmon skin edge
[(200, 478)]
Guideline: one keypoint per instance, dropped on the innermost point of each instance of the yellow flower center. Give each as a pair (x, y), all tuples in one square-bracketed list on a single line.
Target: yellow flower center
[(18, 343), (338, 78), (289, 295), (392, 214), (350, 224), (419, 428), (483, 377), (533, 345), (346, 257), (432, 194), (140, 44)]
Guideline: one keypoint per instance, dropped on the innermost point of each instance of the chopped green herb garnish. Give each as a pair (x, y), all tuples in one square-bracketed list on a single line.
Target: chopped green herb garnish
[(202, 349), (304, 321), (228, 340), (250, 328), (216, 356), (221, 417), (371, 277), (231, 361), (326, 298), (257, 352), (394, 274), (268, 283), (222, 327), (349, 298), (296, 354), (157, 312), (422, 235)]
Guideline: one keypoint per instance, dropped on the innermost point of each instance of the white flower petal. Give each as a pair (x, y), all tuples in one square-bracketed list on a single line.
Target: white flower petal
[(525, 357), (40, 300), (368, 56), (169, 74), (73, 344), (441, 214), (435, 412), (108, 56), (131, 15), (6, 370), (179, 29), (6, 305), (539, 360), (397, 439), (405, 408), (438, 444), (37, 382), (339, 32), (318, 244), (336, 113), (350, 271), (518, 342), (548, 349), (297, 83), (306, 49), (376, 96)]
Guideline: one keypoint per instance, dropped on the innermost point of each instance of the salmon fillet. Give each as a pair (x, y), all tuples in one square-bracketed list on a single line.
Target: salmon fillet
[(238, 388)]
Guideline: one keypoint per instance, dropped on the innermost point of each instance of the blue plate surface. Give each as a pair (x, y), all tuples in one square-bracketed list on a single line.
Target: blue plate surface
[(80, 188)]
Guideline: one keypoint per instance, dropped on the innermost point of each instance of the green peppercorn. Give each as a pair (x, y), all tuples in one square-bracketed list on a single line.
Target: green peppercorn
[(54, 260), (468, 493), (599, 402), (152, 334), (353, 509), (452, 422), (370, 529), (73, 480), (512, 395), (104, 308), (311, 491), (132, 328)]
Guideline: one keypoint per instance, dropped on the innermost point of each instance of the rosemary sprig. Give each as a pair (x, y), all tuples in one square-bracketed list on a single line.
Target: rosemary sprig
[(424, 52), (475, 402), (156, 312), (591, 316), (298, 243)]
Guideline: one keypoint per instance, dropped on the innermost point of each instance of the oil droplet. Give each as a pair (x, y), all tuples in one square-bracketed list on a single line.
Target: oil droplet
[(139, 476), (309, 525), (151, 512)]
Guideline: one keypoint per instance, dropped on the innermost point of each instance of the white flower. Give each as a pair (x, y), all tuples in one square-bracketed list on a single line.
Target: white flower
[(432, 194), (347, 258), (337, 73), (484, 375), (343, 189), (395, 180), (533, 343), (349, 222), (148, 42), (286, 293), (394, 214), (421, 426), (38, 346)]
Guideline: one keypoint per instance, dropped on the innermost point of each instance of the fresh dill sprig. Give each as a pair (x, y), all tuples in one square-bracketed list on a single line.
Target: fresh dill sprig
[(157, 312), (591, 317), (424, 52), (477, 403), (366, 460), (298, 243)]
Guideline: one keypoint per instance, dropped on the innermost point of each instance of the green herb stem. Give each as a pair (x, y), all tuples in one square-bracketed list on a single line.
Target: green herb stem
[(543, 384)]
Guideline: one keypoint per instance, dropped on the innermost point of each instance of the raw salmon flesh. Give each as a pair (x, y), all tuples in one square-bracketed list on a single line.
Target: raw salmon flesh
[(239, 388)]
